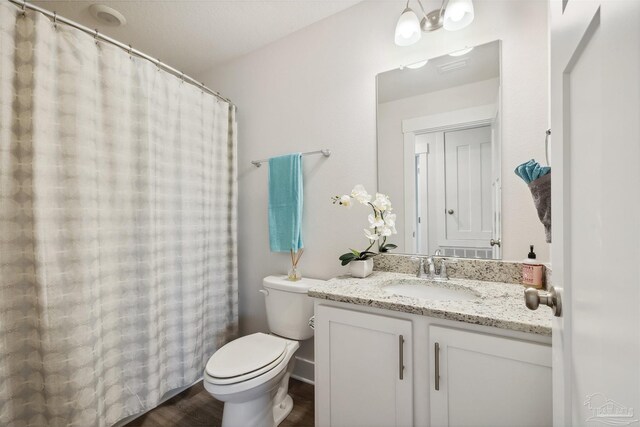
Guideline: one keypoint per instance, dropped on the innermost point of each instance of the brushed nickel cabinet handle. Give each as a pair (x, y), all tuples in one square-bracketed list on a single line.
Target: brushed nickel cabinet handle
[(437, 359), (401, 356)]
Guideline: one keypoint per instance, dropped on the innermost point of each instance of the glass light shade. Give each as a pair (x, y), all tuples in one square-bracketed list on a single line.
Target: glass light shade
[(408, 28), (458, 14)]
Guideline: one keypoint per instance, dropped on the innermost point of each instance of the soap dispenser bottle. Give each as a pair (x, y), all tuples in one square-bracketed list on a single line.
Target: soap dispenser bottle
[(532, 271)]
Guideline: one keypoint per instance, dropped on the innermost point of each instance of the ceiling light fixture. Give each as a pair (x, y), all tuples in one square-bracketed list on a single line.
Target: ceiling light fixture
[(417, 65), (107, 15), (452, 66), (453, 15)]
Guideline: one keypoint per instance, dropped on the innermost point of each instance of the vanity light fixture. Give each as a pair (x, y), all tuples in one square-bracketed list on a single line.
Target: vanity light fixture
[(453, 15)]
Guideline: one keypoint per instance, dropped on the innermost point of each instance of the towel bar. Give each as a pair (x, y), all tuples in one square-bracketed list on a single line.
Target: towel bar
[(325, 152)]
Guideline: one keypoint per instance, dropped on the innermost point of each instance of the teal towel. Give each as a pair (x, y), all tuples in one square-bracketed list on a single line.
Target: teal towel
[(285, 203), (531, 170)]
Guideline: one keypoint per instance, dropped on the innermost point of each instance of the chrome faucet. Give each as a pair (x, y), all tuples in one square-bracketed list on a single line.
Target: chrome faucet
[(428, 270), (422, 271), (432, 267)]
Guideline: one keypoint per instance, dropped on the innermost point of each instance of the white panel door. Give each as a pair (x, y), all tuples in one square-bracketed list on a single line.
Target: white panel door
[(363, 369), (485, 380), (468, 194), (595, 115)]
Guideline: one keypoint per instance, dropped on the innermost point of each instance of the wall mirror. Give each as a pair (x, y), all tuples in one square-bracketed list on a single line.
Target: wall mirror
[(439, 146)]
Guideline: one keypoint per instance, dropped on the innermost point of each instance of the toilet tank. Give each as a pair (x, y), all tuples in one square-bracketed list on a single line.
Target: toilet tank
[(288, 306)]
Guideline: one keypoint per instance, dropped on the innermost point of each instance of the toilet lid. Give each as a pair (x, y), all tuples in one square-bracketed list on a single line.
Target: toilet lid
[(244, 355)]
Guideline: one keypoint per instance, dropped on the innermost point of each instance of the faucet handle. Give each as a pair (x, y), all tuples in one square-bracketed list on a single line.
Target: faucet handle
[(421, 266), (432, 266), (443, 270)]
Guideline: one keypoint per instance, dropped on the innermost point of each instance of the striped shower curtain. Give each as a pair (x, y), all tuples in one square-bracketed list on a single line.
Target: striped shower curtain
[(117, 227)]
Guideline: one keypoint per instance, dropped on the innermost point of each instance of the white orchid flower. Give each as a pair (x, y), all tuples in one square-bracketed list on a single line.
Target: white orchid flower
[(371, 236), (382, 202), (375, 221), (382, 223), (385, 231), (360, 194), (390, 220), (346, 201)]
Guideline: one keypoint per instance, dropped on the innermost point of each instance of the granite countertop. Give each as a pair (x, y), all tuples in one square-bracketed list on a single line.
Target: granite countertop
[(500, 305)]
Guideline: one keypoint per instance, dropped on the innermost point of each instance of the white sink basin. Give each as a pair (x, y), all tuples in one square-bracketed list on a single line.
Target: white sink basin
[(431, 291)]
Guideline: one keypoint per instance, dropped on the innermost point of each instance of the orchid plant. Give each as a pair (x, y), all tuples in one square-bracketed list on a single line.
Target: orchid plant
[(382, 223)]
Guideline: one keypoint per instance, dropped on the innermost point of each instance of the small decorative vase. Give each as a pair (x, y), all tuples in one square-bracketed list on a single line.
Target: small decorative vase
[(294, 274), (361, 268)]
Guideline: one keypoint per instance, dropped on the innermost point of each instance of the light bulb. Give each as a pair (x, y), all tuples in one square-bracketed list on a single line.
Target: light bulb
[(458, 14), (408, 28)]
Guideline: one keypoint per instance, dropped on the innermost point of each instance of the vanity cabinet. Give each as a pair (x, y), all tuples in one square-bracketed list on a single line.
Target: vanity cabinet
[(488, 380), (363, 369), (486, 376)]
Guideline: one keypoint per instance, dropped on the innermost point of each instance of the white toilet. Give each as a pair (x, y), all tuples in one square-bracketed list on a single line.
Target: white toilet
[(251, 374)]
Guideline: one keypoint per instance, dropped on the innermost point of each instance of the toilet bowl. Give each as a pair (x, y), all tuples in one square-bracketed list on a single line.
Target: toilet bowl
[(251, 374), (257, 397)]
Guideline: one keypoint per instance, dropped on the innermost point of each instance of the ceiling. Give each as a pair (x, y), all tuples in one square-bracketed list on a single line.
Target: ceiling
[(482, 63), (196, 35)]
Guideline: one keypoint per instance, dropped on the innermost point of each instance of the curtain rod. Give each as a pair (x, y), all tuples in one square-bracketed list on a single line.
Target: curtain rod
[(325, 152), (98, 36)]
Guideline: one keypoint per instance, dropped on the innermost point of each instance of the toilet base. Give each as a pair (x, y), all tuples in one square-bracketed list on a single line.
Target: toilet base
[(254, 413), (257, 413), (268, 407), (281, 411)]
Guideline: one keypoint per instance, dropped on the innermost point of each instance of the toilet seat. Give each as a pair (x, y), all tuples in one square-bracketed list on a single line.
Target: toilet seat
[(245, 358)]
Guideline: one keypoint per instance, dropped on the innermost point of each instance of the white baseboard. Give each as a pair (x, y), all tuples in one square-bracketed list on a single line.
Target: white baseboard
[(304, 370)]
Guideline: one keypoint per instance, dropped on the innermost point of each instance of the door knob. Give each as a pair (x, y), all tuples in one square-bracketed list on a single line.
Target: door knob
[(450, 211), (534, 297), (495, 242)]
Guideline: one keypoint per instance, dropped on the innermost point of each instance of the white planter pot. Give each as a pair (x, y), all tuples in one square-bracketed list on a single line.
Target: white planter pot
[(361, 268)]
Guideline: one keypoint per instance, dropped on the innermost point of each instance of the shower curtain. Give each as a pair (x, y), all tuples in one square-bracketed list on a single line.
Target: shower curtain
[(117, 227)]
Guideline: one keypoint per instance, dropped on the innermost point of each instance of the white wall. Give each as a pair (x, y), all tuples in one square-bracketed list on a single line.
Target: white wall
[(316, 89), (391, 138)]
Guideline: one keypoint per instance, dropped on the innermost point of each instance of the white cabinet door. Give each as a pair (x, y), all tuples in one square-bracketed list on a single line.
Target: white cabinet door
[(468, 205), (486, 380), (359, 376)]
